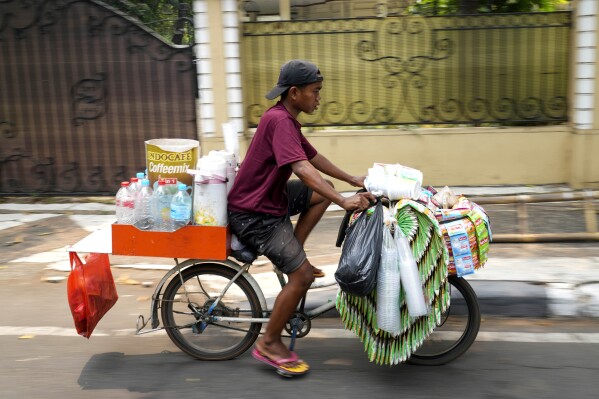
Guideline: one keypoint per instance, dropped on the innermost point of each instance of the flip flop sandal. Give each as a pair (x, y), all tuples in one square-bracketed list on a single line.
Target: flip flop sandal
[(284, 366), (318, 274)]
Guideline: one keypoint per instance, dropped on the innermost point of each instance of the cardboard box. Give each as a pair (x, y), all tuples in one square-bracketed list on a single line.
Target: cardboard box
[(189, 242)]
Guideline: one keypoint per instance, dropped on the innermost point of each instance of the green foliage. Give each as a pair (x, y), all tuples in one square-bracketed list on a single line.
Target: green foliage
[(448, 7), (162, 16)]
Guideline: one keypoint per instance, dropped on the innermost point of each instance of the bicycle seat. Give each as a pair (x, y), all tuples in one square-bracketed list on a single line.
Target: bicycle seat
[(244, 255)]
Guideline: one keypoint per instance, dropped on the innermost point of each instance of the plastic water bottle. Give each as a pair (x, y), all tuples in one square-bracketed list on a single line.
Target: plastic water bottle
[(136, 182), (144, 219), (161, 207), (181, 207), (125, 205), (134, 186)]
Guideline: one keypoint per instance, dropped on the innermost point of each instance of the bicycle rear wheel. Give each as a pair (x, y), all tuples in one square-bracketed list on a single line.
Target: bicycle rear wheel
[(461, 322), (185, 306)]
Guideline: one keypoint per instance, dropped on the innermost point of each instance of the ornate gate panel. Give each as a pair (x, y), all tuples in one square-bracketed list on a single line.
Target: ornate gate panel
[(503, 68), (81, 88)]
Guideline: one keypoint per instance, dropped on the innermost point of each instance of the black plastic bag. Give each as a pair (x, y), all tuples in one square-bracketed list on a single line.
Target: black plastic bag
[(361, 254)]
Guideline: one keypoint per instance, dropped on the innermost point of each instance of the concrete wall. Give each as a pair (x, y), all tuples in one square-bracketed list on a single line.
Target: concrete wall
[(465, 157)]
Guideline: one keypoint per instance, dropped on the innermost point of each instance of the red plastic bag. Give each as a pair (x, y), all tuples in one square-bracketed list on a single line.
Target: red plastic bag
[(91, 291)]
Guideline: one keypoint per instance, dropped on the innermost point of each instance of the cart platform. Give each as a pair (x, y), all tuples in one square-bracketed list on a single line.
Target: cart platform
[(197, 242)]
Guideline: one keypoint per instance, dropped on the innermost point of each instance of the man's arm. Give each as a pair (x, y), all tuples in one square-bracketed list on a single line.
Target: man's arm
[(311, 178), (321, 163)]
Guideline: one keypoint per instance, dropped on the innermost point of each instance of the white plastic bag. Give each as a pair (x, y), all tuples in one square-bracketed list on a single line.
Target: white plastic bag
[(410, 277), (387, 287)]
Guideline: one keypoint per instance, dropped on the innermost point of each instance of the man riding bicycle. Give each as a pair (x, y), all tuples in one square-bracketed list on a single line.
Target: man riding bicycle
[(263, 198)]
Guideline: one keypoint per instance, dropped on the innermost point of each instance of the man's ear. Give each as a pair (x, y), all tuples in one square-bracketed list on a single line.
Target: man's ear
[(293, 90)]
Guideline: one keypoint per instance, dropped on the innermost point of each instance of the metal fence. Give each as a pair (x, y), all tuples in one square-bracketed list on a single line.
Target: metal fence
[(501, 68), (81, 88)]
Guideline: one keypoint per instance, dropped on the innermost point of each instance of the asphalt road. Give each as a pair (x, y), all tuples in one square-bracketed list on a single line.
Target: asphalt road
[(120, 365), (43, 357)]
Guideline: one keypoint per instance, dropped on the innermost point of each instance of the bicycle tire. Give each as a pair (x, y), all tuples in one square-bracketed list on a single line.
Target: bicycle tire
[(466, 338), (212, 343)]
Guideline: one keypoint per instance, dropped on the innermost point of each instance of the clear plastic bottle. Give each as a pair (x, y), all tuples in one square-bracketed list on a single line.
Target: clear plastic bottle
[(136, 182), (181, 207), (144, 219), (125, 205), (161, 207), (134, 186)]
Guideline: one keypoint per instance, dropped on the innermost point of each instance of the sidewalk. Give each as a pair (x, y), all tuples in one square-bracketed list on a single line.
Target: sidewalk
[(549, 280)]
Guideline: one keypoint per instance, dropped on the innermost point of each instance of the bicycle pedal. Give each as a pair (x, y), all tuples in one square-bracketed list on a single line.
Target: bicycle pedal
[(285, 374)]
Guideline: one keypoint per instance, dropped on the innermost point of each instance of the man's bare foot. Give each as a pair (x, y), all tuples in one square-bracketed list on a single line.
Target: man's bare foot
[(275, 351)]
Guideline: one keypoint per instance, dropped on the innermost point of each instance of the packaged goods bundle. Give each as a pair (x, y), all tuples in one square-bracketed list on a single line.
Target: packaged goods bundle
[(443, 230), (165, 206), (210, 190), (465, 227), (230, 165), (394, 181), (171, 158), (384, 345), (467, 234)]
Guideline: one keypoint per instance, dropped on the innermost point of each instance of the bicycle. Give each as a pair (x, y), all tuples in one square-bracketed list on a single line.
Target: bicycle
[(214, 310)]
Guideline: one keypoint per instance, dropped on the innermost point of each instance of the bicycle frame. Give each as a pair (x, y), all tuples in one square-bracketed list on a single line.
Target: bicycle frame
[(178, 269), (240, 270), (311, 314)]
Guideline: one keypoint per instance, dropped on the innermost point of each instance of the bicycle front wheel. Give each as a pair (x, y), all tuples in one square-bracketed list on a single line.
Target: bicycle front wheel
[(461, 322), (185, 307)]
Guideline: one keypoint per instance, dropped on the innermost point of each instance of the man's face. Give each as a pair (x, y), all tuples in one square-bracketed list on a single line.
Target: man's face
[(308, 97)]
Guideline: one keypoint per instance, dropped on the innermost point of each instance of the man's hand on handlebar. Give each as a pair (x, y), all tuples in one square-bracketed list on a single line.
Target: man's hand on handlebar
[(357, 181), (358, 202)]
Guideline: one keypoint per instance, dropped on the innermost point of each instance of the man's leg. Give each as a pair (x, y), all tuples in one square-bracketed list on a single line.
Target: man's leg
[(271, 344), (309, 218)]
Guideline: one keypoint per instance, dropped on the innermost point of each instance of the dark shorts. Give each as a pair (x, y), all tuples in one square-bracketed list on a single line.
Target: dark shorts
[(272, 236)]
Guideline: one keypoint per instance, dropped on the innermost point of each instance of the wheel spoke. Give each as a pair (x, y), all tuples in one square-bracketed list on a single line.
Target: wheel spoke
[(202, 284)]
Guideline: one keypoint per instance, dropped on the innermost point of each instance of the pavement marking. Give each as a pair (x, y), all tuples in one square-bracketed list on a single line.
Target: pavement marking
[(56, 255), (89, 206), (44, 331), (332, 333), (9, 224), (582, 338), (92, 223), (10, 220)]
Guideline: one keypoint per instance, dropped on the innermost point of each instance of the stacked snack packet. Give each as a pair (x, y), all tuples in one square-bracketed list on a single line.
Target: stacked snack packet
[(467, 234)]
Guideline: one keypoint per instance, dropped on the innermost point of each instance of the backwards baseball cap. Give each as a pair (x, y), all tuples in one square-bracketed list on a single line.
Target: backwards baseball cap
[(295, 73)]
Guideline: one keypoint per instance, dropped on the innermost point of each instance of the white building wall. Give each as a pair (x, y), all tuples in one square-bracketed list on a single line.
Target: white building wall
[(585, 53), (206, 114), (232, 54), (205, 63)]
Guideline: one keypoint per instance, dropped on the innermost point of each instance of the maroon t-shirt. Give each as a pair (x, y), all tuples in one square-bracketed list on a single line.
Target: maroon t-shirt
[(260, 184)]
